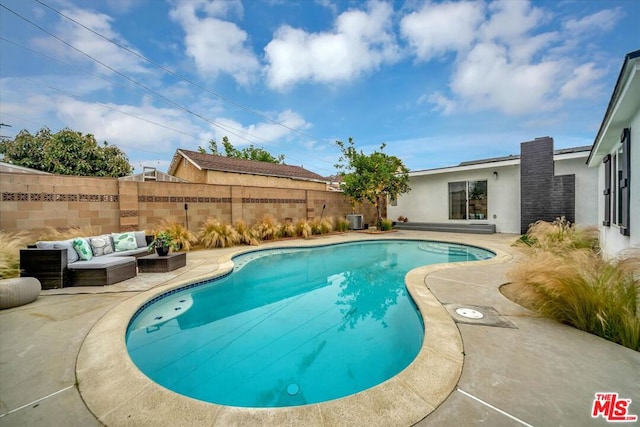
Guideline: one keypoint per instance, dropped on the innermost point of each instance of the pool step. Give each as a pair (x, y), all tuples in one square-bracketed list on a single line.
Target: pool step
[(446, 227)]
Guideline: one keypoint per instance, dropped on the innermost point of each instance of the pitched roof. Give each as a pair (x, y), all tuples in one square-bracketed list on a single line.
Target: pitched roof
[(231, 164), (557, 152), (8, 167)]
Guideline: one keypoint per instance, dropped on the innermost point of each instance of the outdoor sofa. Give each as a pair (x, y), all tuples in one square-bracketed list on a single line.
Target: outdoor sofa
[(92, 261)]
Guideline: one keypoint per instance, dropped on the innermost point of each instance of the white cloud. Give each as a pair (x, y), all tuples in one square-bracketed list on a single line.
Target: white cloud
[(261, 133), (603, 20), (505, 60), (360, 41), (107, 123), (510, 20), (93, 45), (216, 46), (488, 79), (583, 82), (439, 28), (441, 103)]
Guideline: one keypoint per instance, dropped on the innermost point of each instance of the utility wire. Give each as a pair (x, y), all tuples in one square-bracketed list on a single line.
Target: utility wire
[(175, 104), (225, 127), (126, 87), (173, 73), (123, 86)]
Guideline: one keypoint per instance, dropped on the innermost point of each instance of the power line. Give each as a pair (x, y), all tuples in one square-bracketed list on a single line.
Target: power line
[(173, 73), (156, 94), (224, 127)]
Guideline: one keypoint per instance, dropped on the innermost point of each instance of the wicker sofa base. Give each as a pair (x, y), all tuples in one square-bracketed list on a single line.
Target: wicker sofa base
[(103, 276)]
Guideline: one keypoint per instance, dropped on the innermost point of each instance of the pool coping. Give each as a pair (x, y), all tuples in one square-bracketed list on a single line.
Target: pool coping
[(118, 393)]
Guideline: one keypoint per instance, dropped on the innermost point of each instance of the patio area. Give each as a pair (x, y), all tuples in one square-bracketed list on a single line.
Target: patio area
[(59, 357)]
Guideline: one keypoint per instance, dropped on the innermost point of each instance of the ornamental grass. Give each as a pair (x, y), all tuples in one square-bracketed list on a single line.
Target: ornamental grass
[(10, 245), (181, 237), (341, 225), (214, 234), (303, 228), (563, 277), (267, 229), (246, 234)]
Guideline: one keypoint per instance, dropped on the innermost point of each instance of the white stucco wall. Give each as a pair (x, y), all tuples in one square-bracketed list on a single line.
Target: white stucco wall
[(428, 200), (611, 241), (586, 181)]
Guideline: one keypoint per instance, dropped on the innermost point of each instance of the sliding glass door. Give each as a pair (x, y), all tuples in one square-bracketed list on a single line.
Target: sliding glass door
[(468, 200)]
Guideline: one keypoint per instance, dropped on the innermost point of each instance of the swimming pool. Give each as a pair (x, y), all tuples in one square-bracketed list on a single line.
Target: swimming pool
[(290, 326)]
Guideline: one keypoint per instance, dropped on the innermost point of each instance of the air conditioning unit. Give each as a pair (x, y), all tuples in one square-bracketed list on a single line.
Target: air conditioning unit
[(356, 222)]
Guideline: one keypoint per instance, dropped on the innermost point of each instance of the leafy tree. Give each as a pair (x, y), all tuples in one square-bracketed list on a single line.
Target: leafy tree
[(66, 152), (248, 153), (374, 177)]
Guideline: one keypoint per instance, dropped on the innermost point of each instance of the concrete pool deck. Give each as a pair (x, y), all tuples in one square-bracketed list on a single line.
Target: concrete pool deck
[(63, 361)]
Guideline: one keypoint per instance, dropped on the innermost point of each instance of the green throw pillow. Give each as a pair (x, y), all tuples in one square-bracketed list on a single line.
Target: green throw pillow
[(124, 241), (83, 248)]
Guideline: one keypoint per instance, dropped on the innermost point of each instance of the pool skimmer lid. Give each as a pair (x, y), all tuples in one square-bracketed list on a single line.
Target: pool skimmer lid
[(469, 313)]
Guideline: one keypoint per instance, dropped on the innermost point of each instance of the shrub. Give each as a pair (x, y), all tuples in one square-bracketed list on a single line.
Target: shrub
[(303, 229), (326, 225), (386, 225), (214, 234), (321, 226), (560, 236), (246, 235), (267, 229), (181, 237), (583, 290), (341, 224), (10, 245), (288, 229)]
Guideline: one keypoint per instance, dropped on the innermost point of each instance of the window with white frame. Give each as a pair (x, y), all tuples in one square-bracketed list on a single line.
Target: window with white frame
[(468, 200)]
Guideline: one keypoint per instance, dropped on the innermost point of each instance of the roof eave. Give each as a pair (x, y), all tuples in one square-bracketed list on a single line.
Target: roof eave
[(628, 74)]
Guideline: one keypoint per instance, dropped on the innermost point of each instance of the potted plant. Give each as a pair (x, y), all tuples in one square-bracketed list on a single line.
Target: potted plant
[(162, 242)]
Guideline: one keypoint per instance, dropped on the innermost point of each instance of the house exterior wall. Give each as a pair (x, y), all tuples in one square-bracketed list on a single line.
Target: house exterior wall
[(428, 200), (611, 241), (243, 179), (568, 182), (586, 179), (189, 172)]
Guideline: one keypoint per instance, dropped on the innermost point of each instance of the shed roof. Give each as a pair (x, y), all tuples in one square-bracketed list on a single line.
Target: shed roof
[(204, 161)]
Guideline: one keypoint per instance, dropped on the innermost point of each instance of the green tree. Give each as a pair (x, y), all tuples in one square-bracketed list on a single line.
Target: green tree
[(248, 153), (66, 152), (374, 177)]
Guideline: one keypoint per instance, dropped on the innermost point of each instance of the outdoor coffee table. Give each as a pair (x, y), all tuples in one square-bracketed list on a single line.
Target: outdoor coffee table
[(162, 264)]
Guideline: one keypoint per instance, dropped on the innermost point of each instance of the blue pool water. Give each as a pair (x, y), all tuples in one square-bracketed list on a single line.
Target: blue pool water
[(290, 326)]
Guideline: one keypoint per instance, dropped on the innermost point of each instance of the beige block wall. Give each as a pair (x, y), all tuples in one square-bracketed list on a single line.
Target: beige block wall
[(31, 202)]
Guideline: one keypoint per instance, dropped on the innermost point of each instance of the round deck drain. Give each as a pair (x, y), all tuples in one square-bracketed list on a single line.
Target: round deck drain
[(469, 313), (293, 389)]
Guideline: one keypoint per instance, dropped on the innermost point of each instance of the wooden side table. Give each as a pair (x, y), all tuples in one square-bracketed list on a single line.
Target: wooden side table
[(162, 264)]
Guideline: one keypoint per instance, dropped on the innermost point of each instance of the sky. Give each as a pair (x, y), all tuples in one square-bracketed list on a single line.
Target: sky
[(438, 82)]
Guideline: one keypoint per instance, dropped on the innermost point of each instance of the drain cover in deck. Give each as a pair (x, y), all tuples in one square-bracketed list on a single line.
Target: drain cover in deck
[(477, 315)]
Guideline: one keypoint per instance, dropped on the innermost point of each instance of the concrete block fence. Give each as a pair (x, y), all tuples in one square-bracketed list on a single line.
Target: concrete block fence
[(31, 202)]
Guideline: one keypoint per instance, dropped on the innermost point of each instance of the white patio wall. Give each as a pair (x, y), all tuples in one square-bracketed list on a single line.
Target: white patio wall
[(428, 200), (586, 181)]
